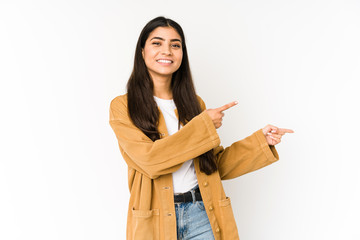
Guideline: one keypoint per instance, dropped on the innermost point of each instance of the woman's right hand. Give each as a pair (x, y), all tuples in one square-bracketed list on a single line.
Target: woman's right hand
[(217, 114)]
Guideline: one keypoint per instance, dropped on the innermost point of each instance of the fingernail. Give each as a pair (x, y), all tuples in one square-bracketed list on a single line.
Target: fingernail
[(273, 131), (236, 102)]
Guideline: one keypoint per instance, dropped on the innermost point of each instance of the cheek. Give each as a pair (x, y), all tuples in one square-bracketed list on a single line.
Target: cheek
[(148, 57), (180, 59), (148, 53)]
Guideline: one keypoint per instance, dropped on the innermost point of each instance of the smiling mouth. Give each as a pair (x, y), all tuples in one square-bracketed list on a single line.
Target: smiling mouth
[(164, 61)]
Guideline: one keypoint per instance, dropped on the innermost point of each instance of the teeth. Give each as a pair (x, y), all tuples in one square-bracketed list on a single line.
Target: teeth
[(164, 61)]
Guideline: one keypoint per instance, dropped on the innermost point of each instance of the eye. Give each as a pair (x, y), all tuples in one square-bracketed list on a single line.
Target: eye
[(156, 43), (176, 45)]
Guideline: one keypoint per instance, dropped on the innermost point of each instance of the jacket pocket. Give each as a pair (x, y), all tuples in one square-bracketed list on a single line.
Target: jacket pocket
[(228, 224), (145, 225)]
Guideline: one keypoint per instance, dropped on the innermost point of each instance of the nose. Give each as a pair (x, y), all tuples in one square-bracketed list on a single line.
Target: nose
[(166, 50)]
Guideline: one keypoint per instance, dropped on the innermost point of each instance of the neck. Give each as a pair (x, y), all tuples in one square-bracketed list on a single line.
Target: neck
[(162, 87)]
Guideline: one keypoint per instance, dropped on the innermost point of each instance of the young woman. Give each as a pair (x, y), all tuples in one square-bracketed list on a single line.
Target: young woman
[(169, 141)]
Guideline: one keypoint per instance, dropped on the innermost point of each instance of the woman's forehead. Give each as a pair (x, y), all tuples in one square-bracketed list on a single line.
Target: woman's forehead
[(164, 33)]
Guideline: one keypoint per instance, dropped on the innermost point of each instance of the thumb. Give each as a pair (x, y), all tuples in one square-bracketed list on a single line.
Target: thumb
[(269, 128)]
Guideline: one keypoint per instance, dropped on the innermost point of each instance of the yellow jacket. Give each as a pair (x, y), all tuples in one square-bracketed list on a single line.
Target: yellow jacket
[(151, 212)]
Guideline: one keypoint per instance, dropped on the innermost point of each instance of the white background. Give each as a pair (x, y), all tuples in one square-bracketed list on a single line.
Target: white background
[(293, 64)]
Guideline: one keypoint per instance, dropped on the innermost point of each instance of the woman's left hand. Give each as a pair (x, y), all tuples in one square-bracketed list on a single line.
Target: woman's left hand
[(273, 134)]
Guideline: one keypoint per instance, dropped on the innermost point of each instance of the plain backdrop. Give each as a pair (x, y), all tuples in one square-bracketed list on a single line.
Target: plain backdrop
[(293, 64)]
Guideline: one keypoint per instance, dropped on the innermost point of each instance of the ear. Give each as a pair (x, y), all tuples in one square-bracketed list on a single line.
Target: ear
[(142, 52)]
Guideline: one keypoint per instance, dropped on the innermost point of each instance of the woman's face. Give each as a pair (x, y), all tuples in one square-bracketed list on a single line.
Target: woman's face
[(162, 52)]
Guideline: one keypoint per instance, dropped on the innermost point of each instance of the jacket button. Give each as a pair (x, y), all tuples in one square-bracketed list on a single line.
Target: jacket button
[(217, 230), (205, 184), (211, 208), (169, 214), (166, 187)]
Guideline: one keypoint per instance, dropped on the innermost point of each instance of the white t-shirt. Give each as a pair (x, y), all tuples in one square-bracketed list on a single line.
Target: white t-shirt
[(185, 178)]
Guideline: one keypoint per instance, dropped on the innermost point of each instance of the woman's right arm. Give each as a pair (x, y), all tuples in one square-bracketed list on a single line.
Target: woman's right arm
[(165, 155)]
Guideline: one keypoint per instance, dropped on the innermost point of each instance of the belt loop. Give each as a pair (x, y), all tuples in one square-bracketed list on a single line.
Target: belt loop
[(193, 195)]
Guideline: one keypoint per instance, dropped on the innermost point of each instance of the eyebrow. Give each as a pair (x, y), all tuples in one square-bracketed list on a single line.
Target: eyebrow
[(171, 40)]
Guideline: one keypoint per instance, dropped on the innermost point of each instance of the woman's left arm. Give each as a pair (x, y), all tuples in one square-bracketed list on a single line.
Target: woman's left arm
[(250, 154), (247, 155)]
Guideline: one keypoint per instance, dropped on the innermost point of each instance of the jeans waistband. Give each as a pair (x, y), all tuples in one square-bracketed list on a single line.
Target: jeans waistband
[(191, 196)]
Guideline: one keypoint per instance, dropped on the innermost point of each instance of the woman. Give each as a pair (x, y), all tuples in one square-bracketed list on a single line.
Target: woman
[(169, 141)]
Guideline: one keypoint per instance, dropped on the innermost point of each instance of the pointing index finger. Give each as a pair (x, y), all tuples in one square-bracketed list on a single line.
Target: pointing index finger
[(227, 106), (284, 130)]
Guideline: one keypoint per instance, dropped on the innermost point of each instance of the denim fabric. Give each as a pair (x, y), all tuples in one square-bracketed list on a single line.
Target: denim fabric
[(192, 223)]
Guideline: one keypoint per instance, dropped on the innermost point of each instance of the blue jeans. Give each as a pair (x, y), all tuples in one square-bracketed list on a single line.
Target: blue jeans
[(192, 223)]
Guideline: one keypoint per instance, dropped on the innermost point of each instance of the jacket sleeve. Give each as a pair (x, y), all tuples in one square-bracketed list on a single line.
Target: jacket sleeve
[(165, 155), (244, 156)]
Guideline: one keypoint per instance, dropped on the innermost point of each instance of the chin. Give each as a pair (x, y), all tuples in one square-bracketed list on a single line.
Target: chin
[(167, 73)]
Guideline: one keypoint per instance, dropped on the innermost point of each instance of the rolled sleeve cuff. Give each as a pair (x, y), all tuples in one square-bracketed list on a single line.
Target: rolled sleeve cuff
[(269, 150)]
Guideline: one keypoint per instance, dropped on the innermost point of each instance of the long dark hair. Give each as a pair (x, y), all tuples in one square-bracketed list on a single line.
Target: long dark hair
[(142, 107)]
